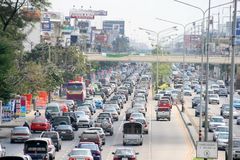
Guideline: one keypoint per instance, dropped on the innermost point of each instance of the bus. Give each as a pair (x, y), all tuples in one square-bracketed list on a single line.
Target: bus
[(76, 90)]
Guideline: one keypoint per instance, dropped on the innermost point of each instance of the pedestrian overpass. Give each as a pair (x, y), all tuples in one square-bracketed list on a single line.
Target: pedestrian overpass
[(213, 59)]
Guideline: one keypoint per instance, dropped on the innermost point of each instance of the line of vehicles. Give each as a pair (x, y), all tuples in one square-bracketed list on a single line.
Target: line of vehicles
[(217, 123), (63, 118)]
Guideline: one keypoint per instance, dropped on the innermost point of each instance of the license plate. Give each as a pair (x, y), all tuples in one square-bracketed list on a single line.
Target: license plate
[(124, 158), (63, 132)]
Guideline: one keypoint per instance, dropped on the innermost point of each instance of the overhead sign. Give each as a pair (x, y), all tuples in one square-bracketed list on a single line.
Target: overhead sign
[(207, 150)]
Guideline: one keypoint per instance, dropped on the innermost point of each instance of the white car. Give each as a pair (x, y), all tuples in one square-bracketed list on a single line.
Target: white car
[(218, 130), (216, 121), (213, 99), (222, 140), (83, 120), (80, 153), (225, 112)]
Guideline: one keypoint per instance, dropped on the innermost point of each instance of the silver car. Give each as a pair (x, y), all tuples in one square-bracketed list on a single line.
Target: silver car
[(83, 120), (213, 99), (216, 121), (225, 112), (20, 134), (222, 140), (220, 129)]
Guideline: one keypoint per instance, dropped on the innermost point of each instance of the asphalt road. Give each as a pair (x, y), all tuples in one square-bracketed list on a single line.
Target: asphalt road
[(166, 140)]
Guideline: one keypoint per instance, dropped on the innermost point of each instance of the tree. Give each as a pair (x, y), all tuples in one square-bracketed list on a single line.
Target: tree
[(121, 44)]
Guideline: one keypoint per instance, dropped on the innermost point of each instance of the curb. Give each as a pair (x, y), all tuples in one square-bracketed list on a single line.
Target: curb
[(187, 127)]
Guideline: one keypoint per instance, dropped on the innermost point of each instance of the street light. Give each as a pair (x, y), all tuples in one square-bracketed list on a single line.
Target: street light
[(185, 52), (157, 36)]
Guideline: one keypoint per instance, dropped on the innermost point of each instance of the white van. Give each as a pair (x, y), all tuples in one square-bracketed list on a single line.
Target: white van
[(54, 109)]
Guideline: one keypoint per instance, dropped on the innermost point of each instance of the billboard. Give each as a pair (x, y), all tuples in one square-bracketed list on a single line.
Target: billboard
[(81, 14), (101, 38), (53, 16), (100, 13)]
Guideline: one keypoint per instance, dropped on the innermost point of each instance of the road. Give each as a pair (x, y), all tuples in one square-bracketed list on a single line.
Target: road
[(166, 140)]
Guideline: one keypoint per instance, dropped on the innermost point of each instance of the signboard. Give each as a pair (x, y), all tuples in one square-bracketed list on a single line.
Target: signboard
[(100, 13), (7, 112), (81, 14), (46, 26), (237, 40), (41, 101), (28, 101), (53, 16), (207, 150), (23, 110)]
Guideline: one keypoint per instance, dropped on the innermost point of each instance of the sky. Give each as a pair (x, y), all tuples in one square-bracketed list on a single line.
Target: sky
[(143, 13)]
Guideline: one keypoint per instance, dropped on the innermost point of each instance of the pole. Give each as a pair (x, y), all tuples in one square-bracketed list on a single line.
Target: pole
[(207, 75), (184, 54), (201, 78), (157, 61), (230, 140)]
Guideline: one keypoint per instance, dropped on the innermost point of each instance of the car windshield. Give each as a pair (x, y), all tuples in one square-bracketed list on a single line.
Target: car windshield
[(236, 143), (52, 109), (223, 136), (217, 120), (88, 146), (124, 152), (77, 152), (222, 129), (75, 87), (213, 96), (51, 135), (63, 127)]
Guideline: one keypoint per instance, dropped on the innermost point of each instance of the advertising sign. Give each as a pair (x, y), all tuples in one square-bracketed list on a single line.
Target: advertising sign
[(53, 16), (28, 101), (7, 112), (101, 38), (81, 14), (207, 150), (23, 110), (18, 107), (41, 100), (46, 26), (100, 13)]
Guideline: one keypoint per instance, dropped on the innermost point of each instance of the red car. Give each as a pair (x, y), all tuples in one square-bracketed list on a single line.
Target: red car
[(40, 124), (165, 103)]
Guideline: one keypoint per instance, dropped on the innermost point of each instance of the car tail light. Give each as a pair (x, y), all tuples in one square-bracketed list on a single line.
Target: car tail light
[(132, 158), (72, 158), (116, 158), (88, 158), (145, 125)]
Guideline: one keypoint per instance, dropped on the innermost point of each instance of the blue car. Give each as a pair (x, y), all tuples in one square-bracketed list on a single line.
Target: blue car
[(99, 103), (236, 104)]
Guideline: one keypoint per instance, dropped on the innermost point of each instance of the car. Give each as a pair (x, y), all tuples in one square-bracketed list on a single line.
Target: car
[(225, 112), (83, 120), (140, 107), (40, 148), (20, 134), (135, 115), (114, 106), (197, 109), (113, 111), (98, 102), (196, 101), (73, 118), (164, 103), (2, 150), (213, 99), (22, 157), (65, 132), (187, 92), (222, 140), (215, 88), (238, 121), (101, 132), (80, 153), (60, 120), (222, 108), (96, 151), (55, 138), (236, 148), (236, 103), (106, 115), (40, 124), (125, 153), (91, 106), (223, 92), (118, 99), (144, 123), (105, 123), (54, 109), (157, 96), (220, 129), (129, 112), (216, 121), (91, 136), (86, 109)]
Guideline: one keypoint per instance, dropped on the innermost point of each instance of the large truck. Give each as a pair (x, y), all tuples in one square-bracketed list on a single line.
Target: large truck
[(76, 90)]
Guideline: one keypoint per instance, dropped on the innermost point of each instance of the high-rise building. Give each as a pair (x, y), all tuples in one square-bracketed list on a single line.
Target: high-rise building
[(114, 26)]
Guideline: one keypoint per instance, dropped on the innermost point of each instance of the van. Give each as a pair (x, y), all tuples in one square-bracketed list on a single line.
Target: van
[(54, 109)]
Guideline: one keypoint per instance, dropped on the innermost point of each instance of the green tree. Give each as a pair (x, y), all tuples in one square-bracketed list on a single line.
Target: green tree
[(121, 44)]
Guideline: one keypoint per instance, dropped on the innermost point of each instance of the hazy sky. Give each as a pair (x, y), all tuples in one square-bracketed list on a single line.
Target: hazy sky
[(142, 13)]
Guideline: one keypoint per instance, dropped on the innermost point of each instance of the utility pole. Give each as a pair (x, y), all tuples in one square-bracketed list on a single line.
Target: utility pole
[(230, 140)]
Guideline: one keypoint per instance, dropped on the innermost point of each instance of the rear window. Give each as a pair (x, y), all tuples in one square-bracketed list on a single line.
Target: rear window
[(132, 129), (88, 146), (52, 109), (163, 109), (12, 158), (50, 135), (39, 120), (36, 146), (89, 135), (164, 101)]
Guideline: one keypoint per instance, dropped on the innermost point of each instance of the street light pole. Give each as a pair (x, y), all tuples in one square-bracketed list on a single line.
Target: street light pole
[(230, 140)]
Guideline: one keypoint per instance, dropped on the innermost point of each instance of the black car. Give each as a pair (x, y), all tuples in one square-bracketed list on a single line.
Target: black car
[(65, 132), (55, 138), (130, 111), (73, 118), (64, 120), (196, 101)]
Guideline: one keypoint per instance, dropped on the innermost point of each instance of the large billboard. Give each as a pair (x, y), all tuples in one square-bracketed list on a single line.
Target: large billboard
[(81, 14), (116, 26)]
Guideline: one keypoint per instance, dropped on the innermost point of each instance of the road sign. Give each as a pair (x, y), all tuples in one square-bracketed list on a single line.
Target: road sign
[(207, 150)]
